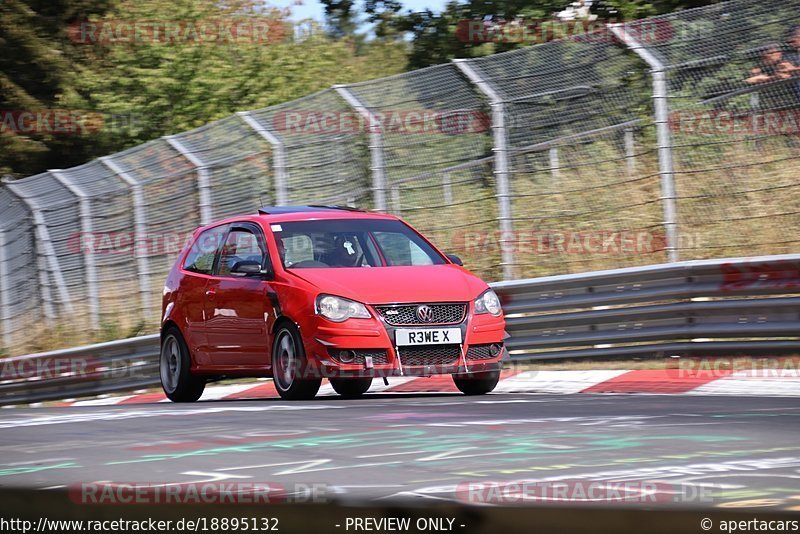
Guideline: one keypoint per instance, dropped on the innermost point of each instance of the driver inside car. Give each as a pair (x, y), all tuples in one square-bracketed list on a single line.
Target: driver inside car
[(345, 253)]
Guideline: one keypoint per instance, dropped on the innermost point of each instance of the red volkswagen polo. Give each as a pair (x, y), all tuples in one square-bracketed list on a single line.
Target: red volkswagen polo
[(310, 292)]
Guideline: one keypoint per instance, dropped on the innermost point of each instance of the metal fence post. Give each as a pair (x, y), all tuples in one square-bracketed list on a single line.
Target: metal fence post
[(278, 157), (139, 230), (47, 257), (203, 178), (447, 188), (396, 208), (5, 292), (501, 165), (88, 255), (375, 144), (663, 135), (555, 165), (630, 151)]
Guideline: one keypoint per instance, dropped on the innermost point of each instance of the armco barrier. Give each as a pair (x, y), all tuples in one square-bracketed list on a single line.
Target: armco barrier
[(727, 306), (742, 305), (122, 365)]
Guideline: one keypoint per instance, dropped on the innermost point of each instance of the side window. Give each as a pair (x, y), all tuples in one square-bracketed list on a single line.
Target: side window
[(201, 256), (242, 246)]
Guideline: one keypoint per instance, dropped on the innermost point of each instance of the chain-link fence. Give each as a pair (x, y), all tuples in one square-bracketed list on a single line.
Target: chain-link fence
[(674, 137)]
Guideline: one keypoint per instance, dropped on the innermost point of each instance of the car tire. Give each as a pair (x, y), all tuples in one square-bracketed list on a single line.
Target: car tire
[(289, 361), (175, 364), (477, 383), (351, 387)]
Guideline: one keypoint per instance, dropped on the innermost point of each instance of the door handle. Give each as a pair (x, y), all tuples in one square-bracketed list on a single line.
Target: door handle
[(210, 293)]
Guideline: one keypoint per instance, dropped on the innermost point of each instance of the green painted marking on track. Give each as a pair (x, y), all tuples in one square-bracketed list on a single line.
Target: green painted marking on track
[(35, 469), (421, 440)]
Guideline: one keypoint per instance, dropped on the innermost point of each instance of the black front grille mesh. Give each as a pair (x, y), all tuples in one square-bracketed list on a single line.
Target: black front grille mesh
[(430, 355), (480, 352), (420, 355), (379, 356), (405, 315)]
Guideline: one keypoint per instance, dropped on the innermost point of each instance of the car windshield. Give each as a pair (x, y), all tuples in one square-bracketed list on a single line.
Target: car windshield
[(352, 243)]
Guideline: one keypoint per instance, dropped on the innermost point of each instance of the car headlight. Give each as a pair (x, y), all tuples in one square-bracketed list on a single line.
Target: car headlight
[(338, 309), (488, 302)]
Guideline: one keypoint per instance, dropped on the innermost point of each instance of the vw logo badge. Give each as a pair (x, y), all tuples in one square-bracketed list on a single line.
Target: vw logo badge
[(425, 313)]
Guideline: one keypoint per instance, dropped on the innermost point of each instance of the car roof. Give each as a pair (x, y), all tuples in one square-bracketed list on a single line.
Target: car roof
[(277, 214)]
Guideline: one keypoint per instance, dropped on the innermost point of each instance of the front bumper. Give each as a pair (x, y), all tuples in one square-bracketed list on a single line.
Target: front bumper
[(373, 353)]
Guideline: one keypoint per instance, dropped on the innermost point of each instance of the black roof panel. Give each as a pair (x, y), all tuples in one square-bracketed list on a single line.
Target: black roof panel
[(280, 210)]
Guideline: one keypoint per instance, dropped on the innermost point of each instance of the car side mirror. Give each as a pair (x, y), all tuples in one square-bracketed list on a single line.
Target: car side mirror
[(455, 259), (247, 268)]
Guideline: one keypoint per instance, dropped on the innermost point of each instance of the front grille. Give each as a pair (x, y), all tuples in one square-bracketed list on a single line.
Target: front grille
[(430, 355), (406, 314), (480, 352), (379, 356)]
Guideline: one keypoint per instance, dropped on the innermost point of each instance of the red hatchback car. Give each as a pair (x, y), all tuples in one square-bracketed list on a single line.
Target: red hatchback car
[(310, 292)]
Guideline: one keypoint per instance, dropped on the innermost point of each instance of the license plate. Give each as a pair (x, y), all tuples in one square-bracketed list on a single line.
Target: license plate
[(427, 336)]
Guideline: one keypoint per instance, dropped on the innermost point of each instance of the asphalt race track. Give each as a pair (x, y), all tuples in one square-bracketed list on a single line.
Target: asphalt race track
[(729, 452)]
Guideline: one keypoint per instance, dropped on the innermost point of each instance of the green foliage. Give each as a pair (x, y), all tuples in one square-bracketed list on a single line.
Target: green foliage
[(36, 73), (176, 88), (146, 89), (437, 38)]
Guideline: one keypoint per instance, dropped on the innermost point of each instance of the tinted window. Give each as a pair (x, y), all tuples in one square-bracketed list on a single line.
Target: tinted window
[(352, 243), (241, 246), (201, 256), (401, 251)]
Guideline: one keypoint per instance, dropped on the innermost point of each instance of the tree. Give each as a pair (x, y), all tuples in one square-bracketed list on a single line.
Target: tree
[(178, 87), (37, 75), (340, 17), (142, 86), (440, 37)]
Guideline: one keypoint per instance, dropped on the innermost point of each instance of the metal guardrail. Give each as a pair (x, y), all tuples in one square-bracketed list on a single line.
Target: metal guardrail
[(729, 306), (742, 305), (115, 366)]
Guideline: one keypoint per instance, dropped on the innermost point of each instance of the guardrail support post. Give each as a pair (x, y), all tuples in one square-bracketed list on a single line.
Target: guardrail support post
[(502, 170), (203, 178), (661, 119), (278, 157), (140, 232), (47, 257), (5, 292), (375, 145), (88, 255)]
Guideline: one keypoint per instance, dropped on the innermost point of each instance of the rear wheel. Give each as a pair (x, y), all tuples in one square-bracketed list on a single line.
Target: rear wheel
[(477, 383), (351, 387), (177, 380), (289, 365)]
